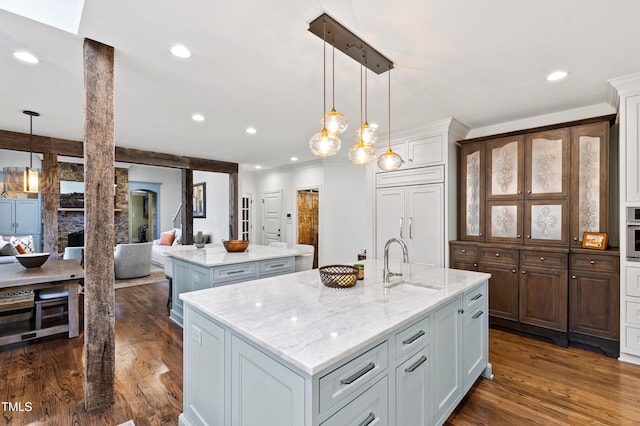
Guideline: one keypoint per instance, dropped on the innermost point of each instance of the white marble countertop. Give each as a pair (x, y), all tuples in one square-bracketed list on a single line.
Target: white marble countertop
[(217, 255), (313, 326)]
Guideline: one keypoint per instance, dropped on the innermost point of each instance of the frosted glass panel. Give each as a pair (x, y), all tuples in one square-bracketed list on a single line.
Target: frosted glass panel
[(473, 193), (546, 222), (546, 166), (504, 221), (589, 187), (504, 169)]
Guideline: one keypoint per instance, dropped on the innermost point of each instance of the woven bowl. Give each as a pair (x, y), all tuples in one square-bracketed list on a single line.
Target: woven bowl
[(235, 246), (32, 260), (338, 276)]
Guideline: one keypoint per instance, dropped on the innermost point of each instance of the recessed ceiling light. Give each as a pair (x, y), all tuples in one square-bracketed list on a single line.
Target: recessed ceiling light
[(557, 75), (251, 130), (294, 158), (258, 166), (180, 51), (197, 117), (25, 57)]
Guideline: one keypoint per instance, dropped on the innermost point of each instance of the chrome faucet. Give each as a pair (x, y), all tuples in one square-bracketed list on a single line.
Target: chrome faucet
[(386, 274)]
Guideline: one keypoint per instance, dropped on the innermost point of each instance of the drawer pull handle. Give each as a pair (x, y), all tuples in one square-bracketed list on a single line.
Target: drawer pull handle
[(573, 277), (513, 270), (413, 338), (235, 272), (593, 262), (575, 238), (359, 374), (370, 418), (518, 236), (417, 364), (477, 315), (477, 296), (523, 272), (497, 254), (542, 259), (464, 250), (279, 265), (475, 265), (529, 236)]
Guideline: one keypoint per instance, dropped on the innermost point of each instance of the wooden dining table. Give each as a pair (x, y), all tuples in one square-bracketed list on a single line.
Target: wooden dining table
[(54, 273)]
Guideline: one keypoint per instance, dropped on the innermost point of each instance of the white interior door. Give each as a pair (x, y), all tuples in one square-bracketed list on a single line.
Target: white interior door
[(390, 220), (272, 224), (425, 224)]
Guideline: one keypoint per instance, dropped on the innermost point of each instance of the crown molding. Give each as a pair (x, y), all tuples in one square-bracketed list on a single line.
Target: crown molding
[(625, 85)]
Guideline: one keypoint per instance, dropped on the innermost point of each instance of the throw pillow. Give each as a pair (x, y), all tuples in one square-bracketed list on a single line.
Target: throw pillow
[(166, 239), (26, 242), (20, 250), (7, 249)]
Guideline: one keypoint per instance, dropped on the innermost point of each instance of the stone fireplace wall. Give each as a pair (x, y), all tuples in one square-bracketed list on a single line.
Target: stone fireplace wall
[(73, 220)]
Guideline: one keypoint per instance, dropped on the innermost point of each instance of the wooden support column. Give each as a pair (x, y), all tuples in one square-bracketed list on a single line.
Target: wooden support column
[(49, 183), (99, 155), (187, 206), (233, 206)]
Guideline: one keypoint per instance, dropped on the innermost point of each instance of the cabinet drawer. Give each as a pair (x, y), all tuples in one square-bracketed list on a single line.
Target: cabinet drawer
[(497, 254), (276, 266), (542, 259), (352, 376), (246, 271), (464, 252), (412, 338), (633, 313), (633, 282), (370, 408), (475, 297), (594, 262), (633, 338)]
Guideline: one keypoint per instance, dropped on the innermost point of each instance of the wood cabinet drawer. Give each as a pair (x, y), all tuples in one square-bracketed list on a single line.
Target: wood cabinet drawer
[(235, 272), (498, 254), (595, 262), (474, 297), (276, 266), (542, 259), (412, 338), (461, 251), (370, 408), (352, 376)]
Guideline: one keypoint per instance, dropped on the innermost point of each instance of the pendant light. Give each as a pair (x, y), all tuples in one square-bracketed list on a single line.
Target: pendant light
[(389, 160), (324, 143), (361, 153), (30, 174), (365, 133), (334, 121)]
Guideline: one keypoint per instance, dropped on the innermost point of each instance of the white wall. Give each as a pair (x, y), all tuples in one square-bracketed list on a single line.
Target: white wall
[(170, 181), (216, 224), (18, 159)]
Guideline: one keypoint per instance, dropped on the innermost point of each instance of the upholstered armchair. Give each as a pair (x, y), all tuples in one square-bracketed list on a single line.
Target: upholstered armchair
[(132, 260)]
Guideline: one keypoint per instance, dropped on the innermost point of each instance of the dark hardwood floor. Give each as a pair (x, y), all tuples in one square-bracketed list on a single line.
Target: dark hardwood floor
[(535, 383)]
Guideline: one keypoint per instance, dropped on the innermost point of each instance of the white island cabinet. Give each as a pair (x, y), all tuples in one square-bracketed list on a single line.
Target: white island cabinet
[(214, 267), (287, 350)]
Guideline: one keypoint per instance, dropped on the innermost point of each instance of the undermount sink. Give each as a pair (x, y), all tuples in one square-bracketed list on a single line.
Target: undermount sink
[(413, 283)]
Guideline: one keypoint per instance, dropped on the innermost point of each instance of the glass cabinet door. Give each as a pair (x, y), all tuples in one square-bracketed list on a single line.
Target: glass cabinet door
[(545, 222), (589, 183), (505, 171), (504, 221), (547, 164), (472, 193)]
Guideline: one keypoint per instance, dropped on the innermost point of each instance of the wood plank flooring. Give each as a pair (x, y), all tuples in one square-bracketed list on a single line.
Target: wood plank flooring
[(535, 383)]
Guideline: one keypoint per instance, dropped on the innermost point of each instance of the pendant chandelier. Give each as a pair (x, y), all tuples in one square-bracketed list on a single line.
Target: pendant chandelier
[(324, 143), (334, 121), (390, 160), (31, 177)]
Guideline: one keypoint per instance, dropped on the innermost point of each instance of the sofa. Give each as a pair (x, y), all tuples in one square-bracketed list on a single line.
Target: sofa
[(158, 250), (132, 260)]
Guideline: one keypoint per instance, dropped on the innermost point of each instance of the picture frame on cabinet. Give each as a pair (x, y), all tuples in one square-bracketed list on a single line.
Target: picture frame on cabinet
[(595, 240)]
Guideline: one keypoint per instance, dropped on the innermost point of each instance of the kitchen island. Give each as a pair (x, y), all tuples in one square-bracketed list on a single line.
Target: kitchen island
[(289, 351), (214, 266)]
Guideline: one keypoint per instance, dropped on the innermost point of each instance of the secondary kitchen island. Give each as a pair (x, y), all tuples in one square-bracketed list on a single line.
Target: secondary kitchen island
[(214, 267), (289, 351)]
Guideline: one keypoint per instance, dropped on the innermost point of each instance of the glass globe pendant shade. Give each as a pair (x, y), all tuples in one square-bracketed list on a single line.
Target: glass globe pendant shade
[(362, 153), (324, 144), (367, 134), (390, 161), (31, 180), (336, 122)]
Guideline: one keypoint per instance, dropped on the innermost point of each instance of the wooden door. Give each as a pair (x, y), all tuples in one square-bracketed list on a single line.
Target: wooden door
[(503, 289), (543, 298), (308, 221)]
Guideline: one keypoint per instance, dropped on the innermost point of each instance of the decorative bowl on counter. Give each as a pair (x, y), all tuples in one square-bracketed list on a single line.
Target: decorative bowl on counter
[(338, 276), (32, 260), (235, 246)]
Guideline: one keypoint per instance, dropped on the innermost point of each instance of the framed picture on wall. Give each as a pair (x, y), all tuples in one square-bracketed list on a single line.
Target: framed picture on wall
[(200, 200)]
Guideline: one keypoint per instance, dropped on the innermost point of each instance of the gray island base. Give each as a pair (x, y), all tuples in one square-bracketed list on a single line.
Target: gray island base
[(287, 350)]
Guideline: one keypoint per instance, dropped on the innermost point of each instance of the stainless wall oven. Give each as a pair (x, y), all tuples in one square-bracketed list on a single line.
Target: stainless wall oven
[(633, 234)]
